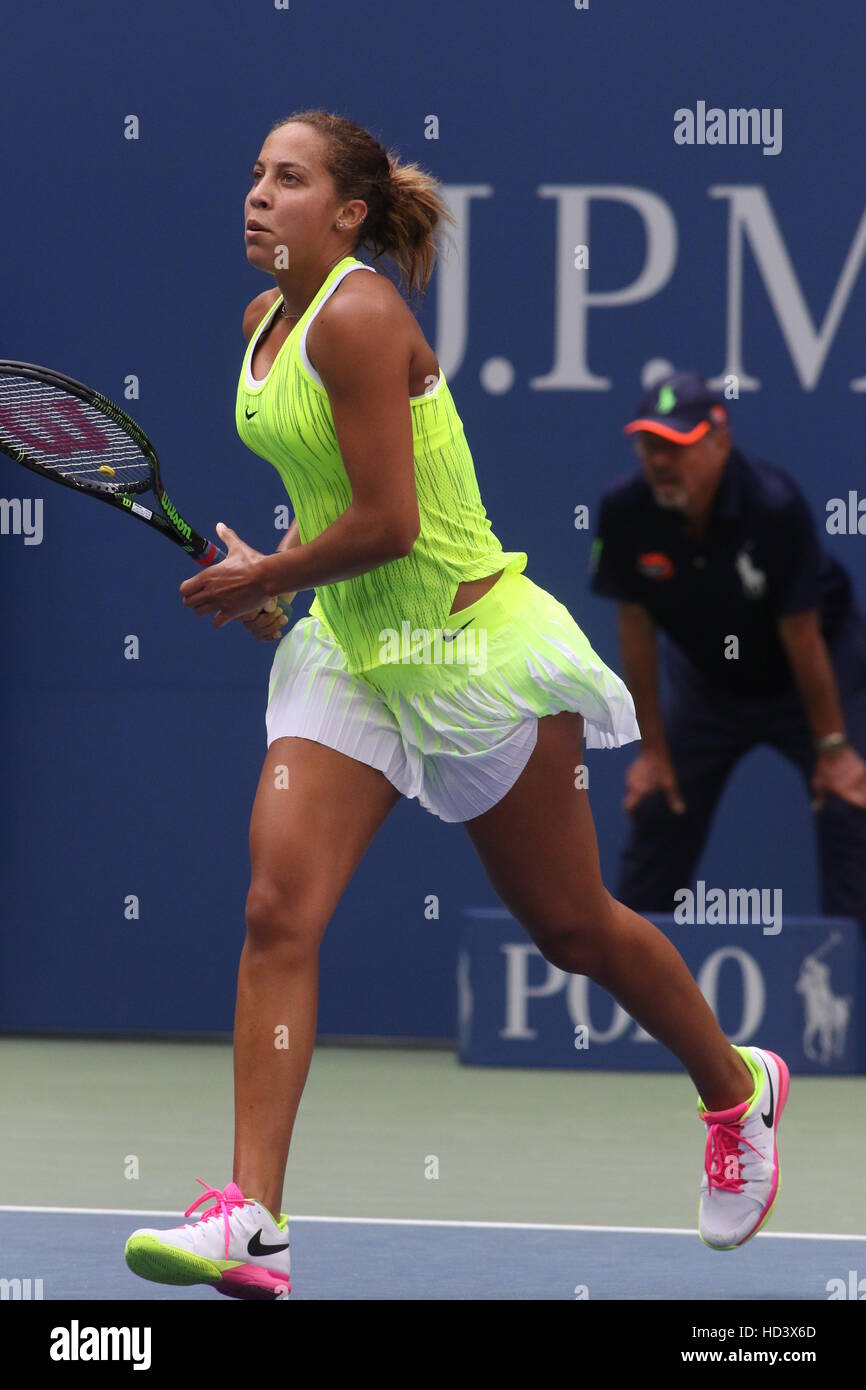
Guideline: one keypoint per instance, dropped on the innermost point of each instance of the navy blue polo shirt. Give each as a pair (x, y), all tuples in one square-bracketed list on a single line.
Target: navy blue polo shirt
[(759, 559)]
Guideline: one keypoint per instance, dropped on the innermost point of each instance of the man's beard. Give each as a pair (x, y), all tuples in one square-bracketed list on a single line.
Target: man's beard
[(675, 500)]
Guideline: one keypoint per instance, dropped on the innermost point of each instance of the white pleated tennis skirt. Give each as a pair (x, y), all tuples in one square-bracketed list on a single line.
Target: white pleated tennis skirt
[(453, 723)]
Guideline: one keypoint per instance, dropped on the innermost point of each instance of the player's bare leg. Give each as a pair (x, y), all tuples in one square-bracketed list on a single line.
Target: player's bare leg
[(306, 840), (539, 848)]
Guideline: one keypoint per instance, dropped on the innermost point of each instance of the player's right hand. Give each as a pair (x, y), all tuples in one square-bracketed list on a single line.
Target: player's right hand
[(650, 772), (268, 624)]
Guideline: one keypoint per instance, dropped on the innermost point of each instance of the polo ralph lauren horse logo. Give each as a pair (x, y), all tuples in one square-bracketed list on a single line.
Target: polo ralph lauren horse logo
[(754, 581), (827, 1014)]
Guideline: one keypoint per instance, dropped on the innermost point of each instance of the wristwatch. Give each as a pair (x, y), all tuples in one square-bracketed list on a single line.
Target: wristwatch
[(831, 743)]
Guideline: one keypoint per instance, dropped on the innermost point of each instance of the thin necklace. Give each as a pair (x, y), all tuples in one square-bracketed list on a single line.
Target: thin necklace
[(285, 315)]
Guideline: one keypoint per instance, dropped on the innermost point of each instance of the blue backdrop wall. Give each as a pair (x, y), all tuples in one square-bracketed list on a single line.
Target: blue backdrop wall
[(550, 126)]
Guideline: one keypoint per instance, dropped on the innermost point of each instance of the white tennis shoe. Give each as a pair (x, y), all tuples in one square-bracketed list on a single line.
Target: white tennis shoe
[(236, 1246), (741, 1161)]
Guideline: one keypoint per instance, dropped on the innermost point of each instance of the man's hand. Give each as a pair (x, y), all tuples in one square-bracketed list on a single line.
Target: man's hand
[(651, 772), (231, 588), (843, 774)]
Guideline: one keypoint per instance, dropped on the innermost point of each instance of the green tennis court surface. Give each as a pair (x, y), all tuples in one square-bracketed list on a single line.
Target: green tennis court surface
[(392, 1139)]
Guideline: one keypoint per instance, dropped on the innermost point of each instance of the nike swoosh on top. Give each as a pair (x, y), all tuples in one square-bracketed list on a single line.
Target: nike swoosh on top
[(768, 1119), (449, 636), (255, 1246), (250, 413)]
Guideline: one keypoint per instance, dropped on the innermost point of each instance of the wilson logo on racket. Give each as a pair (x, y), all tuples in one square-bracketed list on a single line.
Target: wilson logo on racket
[(174, 516), (65, 431), (28, 423)]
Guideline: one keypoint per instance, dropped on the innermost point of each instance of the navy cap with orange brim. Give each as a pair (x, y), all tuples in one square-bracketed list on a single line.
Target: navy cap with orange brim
[(680, 407)]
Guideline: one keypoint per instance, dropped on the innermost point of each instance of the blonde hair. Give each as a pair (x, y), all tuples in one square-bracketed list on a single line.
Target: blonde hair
[(404, 202)]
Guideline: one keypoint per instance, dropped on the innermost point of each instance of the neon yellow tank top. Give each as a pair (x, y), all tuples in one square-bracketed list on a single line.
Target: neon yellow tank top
[(286, 418)]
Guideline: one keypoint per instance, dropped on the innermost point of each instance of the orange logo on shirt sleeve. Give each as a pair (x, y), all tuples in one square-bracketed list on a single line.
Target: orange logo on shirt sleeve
[(655, 565)]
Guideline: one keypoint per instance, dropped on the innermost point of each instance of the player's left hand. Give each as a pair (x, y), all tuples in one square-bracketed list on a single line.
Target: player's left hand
[(843, 774), (231, 588)]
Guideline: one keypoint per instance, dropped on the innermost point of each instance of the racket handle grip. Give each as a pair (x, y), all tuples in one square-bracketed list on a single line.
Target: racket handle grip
[(211, 555)]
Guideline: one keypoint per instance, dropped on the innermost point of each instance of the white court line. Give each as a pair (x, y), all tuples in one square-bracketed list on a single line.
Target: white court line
[(469, 1225)]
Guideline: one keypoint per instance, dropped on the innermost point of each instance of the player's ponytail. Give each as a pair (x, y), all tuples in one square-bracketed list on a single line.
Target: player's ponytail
[(413, 209), (405, 204)]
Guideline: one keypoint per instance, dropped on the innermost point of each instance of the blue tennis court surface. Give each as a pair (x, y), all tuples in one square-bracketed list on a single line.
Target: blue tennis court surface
[(80, 1255)]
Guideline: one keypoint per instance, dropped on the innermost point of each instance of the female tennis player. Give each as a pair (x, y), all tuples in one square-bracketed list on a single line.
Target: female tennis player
[(429, 666)]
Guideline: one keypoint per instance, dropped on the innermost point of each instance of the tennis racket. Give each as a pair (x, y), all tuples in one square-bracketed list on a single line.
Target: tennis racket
[(64, 431)]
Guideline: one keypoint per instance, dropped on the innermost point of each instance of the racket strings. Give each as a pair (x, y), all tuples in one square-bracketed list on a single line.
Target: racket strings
[(65, 435)]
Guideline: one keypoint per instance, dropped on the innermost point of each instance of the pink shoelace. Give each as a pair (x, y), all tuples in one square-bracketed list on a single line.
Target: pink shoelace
[(723, 1145), (224, 1205)]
